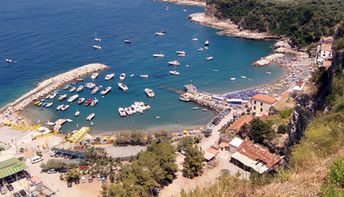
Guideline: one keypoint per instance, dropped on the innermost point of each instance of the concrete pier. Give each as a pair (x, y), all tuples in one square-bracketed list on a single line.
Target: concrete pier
[(47, 86)]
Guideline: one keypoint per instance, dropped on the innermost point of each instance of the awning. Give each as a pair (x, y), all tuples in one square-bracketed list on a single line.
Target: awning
[(10, 167)]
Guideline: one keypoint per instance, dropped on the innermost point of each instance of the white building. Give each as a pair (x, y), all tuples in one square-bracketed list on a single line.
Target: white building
[(326, 51), (234, 144), (261, 104)]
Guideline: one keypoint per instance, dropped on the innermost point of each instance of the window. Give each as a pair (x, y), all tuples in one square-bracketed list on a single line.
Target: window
[(261, 109), (255, 102), (261, 104), (254, 107)]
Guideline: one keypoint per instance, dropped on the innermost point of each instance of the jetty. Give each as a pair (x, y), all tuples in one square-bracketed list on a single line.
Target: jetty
[(206, 99), (47, 86)]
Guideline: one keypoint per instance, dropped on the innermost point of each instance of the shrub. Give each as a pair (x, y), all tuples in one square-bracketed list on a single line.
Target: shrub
[(286, 113), (282, 128), (336, 174)]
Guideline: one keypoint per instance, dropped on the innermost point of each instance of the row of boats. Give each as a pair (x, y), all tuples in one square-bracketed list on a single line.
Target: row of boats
[(136, 107)]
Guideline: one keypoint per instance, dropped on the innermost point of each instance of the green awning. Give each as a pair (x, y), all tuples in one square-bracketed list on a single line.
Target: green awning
[(10, 167)]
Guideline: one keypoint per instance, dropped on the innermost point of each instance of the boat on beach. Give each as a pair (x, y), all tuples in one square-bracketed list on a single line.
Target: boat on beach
[(72, 98), (122, 77), (62, 97), (174, 63), (97, 46), (77, 113), (107, 90), (94, 76), (145, 76), (88, 101), (81, 100), (122, 86), (174, 72), (109, 76), (80, 88), (122, 112), (95, 90), (158, 55), (90, 117), (149, 92)]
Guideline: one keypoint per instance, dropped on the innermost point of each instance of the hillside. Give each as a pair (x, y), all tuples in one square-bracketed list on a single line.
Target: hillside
[(304, 21)]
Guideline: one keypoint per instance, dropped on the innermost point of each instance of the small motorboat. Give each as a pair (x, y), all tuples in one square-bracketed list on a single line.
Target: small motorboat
[(174, 63), (95, 90), (77, 113), (72, 89), (62, 97), (243, 77), (194, 39), (122, 77), (149, 92), (94, 102), (174, 72), (121, 112), (132, 75), (94, 76), (160, 33), (81, 100), (232, 78), (268, 73), (50, 123), (109, 76), (195, 108), (72, 98), (88, 102), (64, 107), (200, 49), (10, 61), (80, 88), (209, 58), (180, 52), (122, 86), (158, 55), (97, 47), (90, 85), (206, 43), (127, 41), (49, 104), (145, 76), (107, 90), (90, 117)]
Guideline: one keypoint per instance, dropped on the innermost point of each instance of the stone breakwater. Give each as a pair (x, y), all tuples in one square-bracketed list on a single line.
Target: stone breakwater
[(228, 28), (47, 86)]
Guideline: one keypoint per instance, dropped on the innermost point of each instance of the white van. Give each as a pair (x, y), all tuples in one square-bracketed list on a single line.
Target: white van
[(36, 159)]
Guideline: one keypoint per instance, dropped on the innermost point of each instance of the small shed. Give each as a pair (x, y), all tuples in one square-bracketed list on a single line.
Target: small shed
[(234, 144)]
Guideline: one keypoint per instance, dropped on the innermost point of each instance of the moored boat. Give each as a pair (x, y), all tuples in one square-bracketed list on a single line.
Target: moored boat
[(95, 90), (62, 97), (94, 75), (80, 88), (127, 41), (94, 102), (174, 72), (64, 107), (121, 112), (72, 89), (160, 33), (122, 76), (81, 100), (232, 78), (90, 117), (88, 102), (122, 86), (72, 98), (158, 55), (49, 104), (243, 77), (107, 90), (145, 76), (209, 58), (90, 85), (109, 76), (184, 98), (174, 63), (149, 92), (206, 43), (97, 46), (77, 113)]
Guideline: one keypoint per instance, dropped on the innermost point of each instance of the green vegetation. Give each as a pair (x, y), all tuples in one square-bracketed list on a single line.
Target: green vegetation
[(286, 113), (282, 128), (52, 164), (153, 169), (304, 21), (193, 162), (336, 174), (73, 174), (261, 131)]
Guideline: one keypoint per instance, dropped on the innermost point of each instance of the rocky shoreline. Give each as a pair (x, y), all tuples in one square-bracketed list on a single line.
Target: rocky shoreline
[(200, 3), (228, 28)]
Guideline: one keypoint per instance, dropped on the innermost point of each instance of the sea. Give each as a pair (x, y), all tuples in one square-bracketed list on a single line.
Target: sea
[(48, 37)]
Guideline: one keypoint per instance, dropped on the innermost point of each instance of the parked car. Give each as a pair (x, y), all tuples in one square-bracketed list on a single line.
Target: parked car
[(36, 159), (63, 170), (10, 187), (90, 179), (83, 179), (51, 171), (23, 193), (69, 184), (16, 194), (3, 190)]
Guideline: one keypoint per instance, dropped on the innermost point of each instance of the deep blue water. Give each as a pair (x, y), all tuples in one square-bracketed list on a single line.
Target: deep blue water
[(48, 37)]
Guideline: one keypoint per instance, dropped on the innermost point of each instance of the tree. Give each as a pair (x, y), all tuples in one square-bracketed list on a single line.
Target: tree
[(282, 128), (73, 174), (52, 164), (184, 143), (261, 131), (336, 174), (193, 162)]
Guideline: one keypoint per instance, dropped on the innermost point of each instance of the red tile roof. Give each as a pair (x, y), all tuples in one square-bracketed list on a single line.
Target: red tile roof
[(257, 153), (264, 98), (223, 145), (236, 126)]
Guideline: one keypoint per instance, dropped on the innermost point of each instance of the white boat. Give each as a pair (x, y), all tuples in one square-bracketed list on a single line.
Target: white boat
[(182, 55), (200, 49), (53, 95), (206, 43), (90, 85), (59, 107), (180, 52), (90, 117), (195, 108), (209, 58), (80, 88), (128, 111), (160, 33), (268, 73), (66, 87), (94, 102), (232, 78), (122, 86), (72, 98), (127, 41), (109, 76), (62, 97), (81, 100), (69, 120), (174, 72), (174, 63), (184, 98), (158, 55), (150, 93), (50, 123), (94, 76), (72, 89), (64, 107), (77, 113), (91, 123), (95, 90), (49, 104), (97, 46), (194, 39), (145, 76), (10, 61), (107, 90), (122, 76), (132, 75), (97, 39), (121, 112)]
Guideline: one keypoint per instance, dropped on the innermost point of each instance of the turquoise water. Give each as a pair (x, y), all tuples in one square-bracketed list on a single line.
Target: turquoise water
[(49, 37)]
